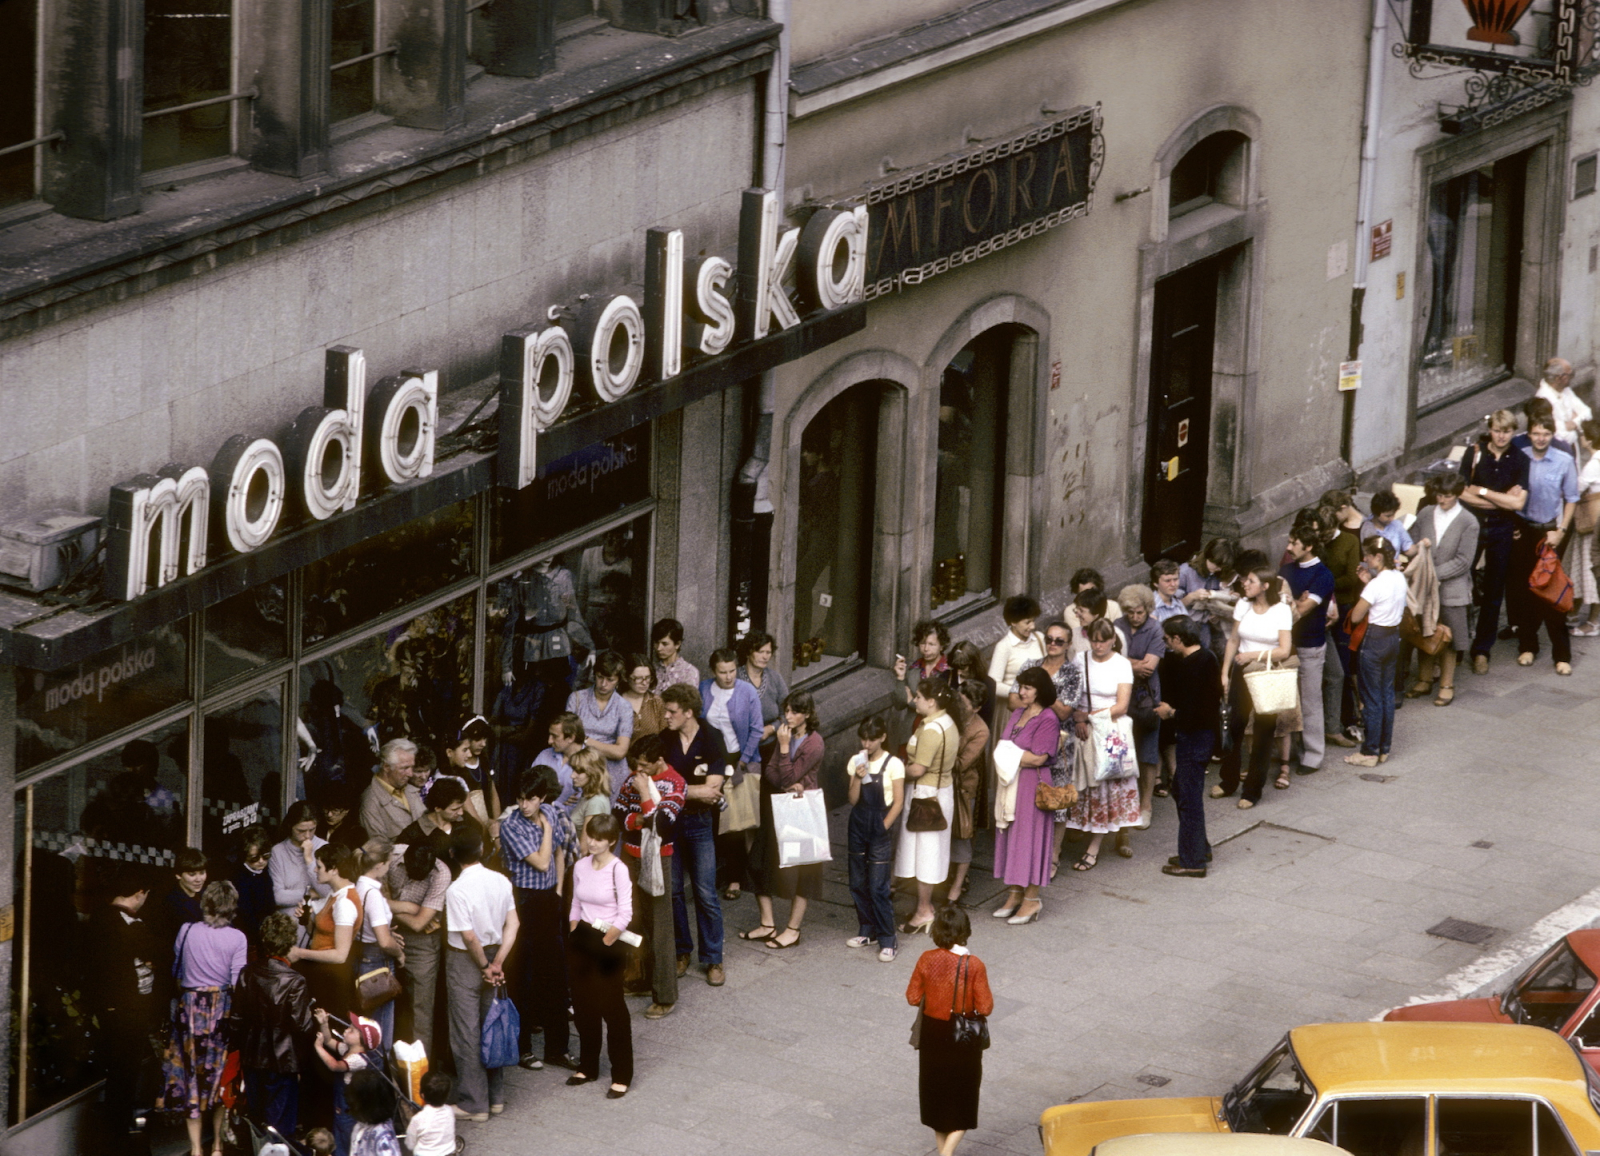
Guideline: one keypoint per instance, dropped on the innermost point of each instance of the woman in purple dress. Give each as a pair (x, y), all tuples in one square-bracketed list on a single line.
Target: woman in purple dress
[(1022, 848)]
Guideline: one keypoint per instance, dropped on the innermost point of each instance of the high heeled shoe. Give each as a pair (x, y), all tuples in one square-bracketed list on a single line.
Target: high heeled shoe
[(1032, 917), (910, 928), (1006, 912)]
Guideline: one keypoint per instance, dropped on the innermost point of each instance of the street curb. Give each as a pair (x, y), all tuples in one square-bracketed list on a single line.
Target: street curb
[(1487, 973)]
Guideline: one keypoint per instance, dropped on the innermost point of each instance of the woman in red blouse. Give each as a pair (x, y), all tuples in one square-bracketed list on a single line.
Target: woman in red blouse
[(793, 765), (948, 1076)]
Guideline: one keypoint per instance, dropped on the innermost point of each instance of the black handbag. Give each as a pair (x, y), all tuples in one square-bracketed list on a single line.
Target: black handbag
[(968, 1030), (925, 815), (1226, 725)]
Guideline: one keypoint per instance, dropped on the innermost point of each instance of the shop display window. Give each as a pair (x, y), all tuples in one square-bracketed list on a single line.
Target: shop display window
[(1472, 267), (833, 553), (73, 830), (412, 681), (571, 492), (971, 474), (382, 574), (61, 710), (242, 770), (245, 633)]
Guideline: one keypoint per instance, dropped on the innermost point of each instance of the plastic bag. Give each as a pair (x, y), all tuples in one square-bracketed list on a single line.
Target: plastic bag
[(498, 1046), (802, 829)]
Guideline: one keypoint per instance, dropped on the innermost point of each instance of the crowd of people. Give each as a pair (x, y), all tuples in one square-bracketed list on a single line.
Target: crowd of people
[(408, 910)]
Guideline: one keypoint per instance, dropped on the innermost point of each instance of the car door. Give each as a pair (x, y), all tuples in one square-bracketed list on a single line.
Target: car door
[(1584, 1032), (1374, 1126)]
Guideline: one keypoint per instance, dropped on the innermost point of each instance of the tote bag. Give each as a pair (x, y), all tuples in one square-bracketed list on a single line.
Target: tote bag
[(802, 829), (1273, 691), (497, 1047)]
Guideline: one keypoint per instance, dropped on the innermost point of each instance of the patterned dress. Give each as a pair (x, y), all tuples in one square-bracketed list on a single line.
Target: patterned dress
[(1069, 691), (1109, 806)]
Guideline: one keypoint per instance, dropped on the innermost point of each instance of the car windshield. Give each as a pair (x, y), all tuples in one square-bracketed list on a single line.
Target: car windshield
[(1270, 1099), (1550, 991)]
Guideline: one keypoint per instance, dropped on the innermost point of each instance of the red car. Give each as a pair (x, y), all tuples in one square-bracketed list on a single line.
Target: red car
[(1558, 992)]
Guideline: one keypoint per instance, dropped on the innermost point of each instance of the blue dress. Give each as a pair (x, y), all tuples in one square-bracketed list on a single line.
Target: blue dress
[(609, 724)]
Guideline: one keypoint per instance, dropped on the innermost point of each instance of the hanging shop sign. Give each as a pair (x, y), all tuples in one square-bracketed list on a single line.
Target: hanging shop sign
[(959, 209), (163, 526)]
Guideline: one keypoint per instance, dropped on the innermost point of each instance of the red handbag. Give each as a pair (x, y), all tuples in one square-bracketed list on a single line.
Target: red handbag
[(1549, 581)]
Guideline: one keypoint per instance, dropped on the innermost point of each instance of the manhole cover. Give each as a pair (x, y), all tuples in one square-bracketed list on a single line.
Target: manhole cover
[(1153, 1080), (1463, 932), (1372, 778), (1483, 844)]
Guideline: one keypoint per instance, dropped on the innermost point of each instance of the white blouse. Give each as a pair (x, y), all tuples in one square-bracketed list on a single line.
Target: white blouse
[(1103, 679)]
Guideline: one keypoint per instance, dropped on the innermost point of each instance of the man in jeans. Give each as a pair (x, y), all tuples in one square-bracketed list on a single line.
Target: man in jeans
[(1310, 585), (695, 752), (481, 918)]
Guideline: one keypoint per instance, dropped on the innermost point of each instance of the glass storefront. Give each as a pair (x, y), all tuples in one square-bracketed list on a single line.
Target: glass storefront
[(208, 726), (971, 475)]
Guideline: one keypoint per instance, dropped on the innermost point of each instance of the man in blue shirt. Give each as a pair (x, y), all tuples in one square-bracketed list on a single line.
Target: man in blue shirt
[(1166, 579), (1310, 585), (534, 844), (566, 739), (1545, 518)]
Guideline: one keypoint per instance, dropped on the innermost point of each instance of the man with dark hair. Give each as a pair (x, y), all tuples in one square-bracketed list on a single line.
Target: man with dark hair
[(672, 669), (696, 752), (446, 815), (128, 988), (273, 1005), (535, 843), (1191, 695), (1310, 584), (1088, 578), (481, 918), (651, 799), (567, 738)]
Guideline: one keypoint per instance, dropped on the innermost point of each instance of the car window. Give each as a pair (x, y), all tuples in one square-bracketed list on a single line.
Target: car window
[(1485, 1127), (1270, 1099), (1379, 1127), (1553, 1138), (1552, 989), (1587, 1033)]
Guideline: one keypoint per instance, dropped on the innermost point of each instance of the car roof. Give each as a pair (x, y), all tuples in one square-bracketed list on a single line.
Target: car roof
[(1213, 1144), (1390, 1058), (1586, 944)]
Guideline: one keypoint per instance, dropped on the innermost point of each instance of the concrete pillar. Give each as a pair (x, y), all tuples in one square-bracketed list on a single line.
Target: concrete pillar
[(94, 95), (424, 84), (283, 47)]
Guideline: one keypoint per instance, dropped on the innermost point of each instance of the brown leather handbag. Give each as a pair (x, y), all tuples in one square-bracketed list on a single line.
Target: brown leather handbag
[(1432, 644), (376, 988), (1049, 798)]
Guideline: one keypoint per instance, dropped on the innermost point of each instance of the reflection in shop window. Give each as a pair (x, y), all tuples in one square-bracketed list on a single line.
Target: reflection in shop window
[(59, 711), (572, 492), (384, 573), (971, 485), (242, 784), (543, 622), (833, 553), (73, 830), (1473, 254), (413, 681), (245, 633)]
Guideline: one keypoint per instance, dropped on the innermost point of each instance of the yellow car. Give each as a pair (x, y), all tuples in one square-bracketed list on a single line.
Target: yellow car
[(1215, 1144), (1380, 1089)]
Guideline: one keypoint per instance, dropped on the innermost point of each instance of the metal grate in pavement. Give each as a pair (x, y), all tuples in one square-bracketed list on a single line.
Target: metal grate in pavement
[(1371, 778), (1463, 932), (1153, 1080)]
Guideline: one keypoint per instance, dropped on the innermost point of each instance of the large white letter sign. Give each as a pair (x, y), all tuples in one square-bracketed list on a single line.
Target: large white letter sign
[(249, 474), (402, 414), (326, 440), (833, 258), (663, 302), (138, 508), (611, 335), (711, 326), (536, 368), (765, 254)]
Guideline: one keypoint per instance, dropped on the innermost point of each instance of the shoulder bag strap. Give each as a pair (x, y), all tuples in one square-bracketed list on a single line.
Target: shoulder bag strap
[(955, 988)]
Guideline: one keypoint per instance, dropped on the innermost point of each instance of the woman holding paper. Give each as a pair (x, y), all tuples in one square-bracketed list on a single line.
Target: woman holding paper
[(1025, 838), (602, 908), (791, 767)]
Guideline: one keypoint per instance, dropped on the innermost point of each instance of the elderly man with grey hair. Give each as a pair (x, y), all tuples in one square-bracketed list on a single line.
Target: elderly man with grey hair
[(1570, 410), (390, 803)]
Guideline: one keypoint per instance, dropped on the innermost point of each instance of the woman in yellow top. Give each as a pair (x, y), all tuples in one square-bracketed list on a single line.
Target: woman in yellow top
[(930, 763)]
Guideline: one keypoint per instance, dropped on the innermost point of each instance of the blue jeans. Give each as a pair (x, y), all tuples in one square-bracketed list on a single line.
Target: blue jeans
[(372, 958), (274, 1099), (1188, 789), (1380, 656), (694, 853), (871, 863)]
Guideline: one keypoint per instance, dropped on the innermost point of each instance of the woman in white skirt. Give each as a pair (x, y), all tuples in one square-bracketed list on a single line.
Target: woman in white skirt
[(930, 764)]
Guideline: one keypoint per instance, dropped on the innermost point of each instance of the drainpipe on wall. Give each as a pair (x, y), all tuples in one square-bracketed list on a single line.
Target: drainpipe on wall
[(751, 529), (1377, 53)]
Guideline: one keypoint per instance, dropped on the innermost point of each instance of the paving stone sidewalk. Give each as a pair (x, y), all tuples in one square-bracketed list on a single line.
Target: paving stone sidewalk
[(1132, 983)]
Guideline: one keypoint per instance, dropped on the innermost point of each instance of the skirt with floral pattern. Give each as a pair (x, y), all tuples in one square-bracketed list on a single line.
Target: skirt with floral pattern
[(191, 1066)]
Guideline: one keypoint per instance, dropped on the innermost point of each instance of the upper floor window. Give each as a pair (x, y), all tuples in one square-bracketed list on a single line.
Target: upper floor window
[(355, 59), (19, 100), (188, 82), (1213, 171)]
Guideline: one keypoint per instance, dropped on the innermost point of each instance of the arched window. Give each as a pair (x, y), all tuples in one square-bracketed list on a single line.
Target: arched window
[(1212, 172), (968, 514)]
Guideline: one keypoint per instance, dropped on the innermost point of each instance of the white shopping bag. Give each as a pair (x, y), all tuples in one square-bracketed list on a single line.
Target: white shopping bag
[(802, 829)]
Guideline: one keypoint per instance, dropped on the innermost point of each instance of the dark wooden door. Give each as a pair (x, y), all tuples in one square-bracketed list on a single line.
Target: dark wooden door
[(1177, 453)]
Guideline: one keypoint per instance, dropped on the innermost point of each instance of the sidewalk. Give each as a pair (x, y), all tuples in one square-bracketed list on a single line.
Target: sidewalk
[(1132, 983)]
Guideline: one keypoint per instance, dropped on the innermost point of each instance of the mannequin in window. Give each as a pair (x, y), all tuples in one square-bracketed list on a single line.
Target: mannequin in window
[(544, 637)]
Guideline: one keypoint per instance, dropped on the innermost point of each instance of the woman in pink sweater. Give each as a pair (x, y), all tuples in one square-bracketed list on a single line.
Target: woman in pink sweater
[(602, 907)]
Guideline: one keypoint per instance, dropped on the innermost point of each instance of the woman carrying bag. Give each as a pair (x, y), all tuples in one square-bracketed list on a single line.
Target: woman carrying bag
[(1261, 641), (1023, 841), (949, 984), (733, 710), (793, 766), (924, 852)]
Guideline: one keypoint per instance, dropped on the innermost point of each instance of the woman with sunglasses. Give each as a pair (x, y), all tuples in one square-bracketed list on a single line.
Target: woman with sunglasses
[(1070, 707)]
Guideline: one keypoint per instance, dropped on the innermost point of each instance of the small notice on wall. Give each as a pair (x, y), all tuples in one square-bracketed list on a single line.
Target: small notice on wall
[(1172, 469), (1338, 260), (1382, 239), (1349, 375)]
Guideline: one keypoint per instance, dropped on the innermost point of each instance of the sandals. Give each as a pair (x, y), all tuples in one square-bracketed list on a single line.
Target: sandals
[(1086, 863), (1418, 689), (1447, 695), (755, 935), (1283, 780), (731, 894), (774, 945), (1161, 791), (1362, 760)]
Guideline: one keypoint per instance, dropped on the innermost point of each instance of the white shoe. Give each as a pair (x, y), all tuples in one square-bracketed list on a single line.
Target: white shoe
[(887, 955), (860, 941)]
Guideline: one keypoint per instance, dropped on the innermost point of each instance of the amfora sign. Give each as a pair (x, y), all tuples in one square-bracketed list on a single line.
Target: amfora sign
[(160, 526)]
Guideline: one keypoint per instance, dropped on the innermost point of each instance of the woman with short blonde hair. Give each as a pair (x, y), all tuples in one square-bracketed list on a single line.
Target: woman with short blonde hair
[(1496, 474)]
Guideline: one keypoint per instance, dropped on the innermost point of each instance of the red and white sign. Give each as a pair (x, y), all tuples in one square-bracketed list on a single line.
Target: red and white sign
[(1183, 433), (1382, 239)]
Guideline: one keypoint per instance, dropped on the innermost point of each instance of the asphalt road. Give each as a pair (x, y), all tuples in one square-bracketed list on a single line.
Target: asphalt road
[(1133, 983)]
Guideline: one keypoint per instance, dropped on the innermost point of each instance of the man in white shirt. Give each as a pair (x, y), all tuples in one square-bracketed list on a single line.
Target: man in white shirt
[(1556, 388), (481, 923)]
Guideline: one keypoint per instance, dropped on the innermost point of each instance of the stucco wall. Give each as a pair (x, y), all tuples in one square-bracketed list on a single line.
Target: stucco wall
[(168, 376)]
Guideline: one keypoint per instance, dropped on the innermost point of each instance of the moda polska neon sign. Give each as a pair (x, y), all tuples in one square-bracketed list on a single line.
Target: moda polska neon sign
[(699, 307)]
